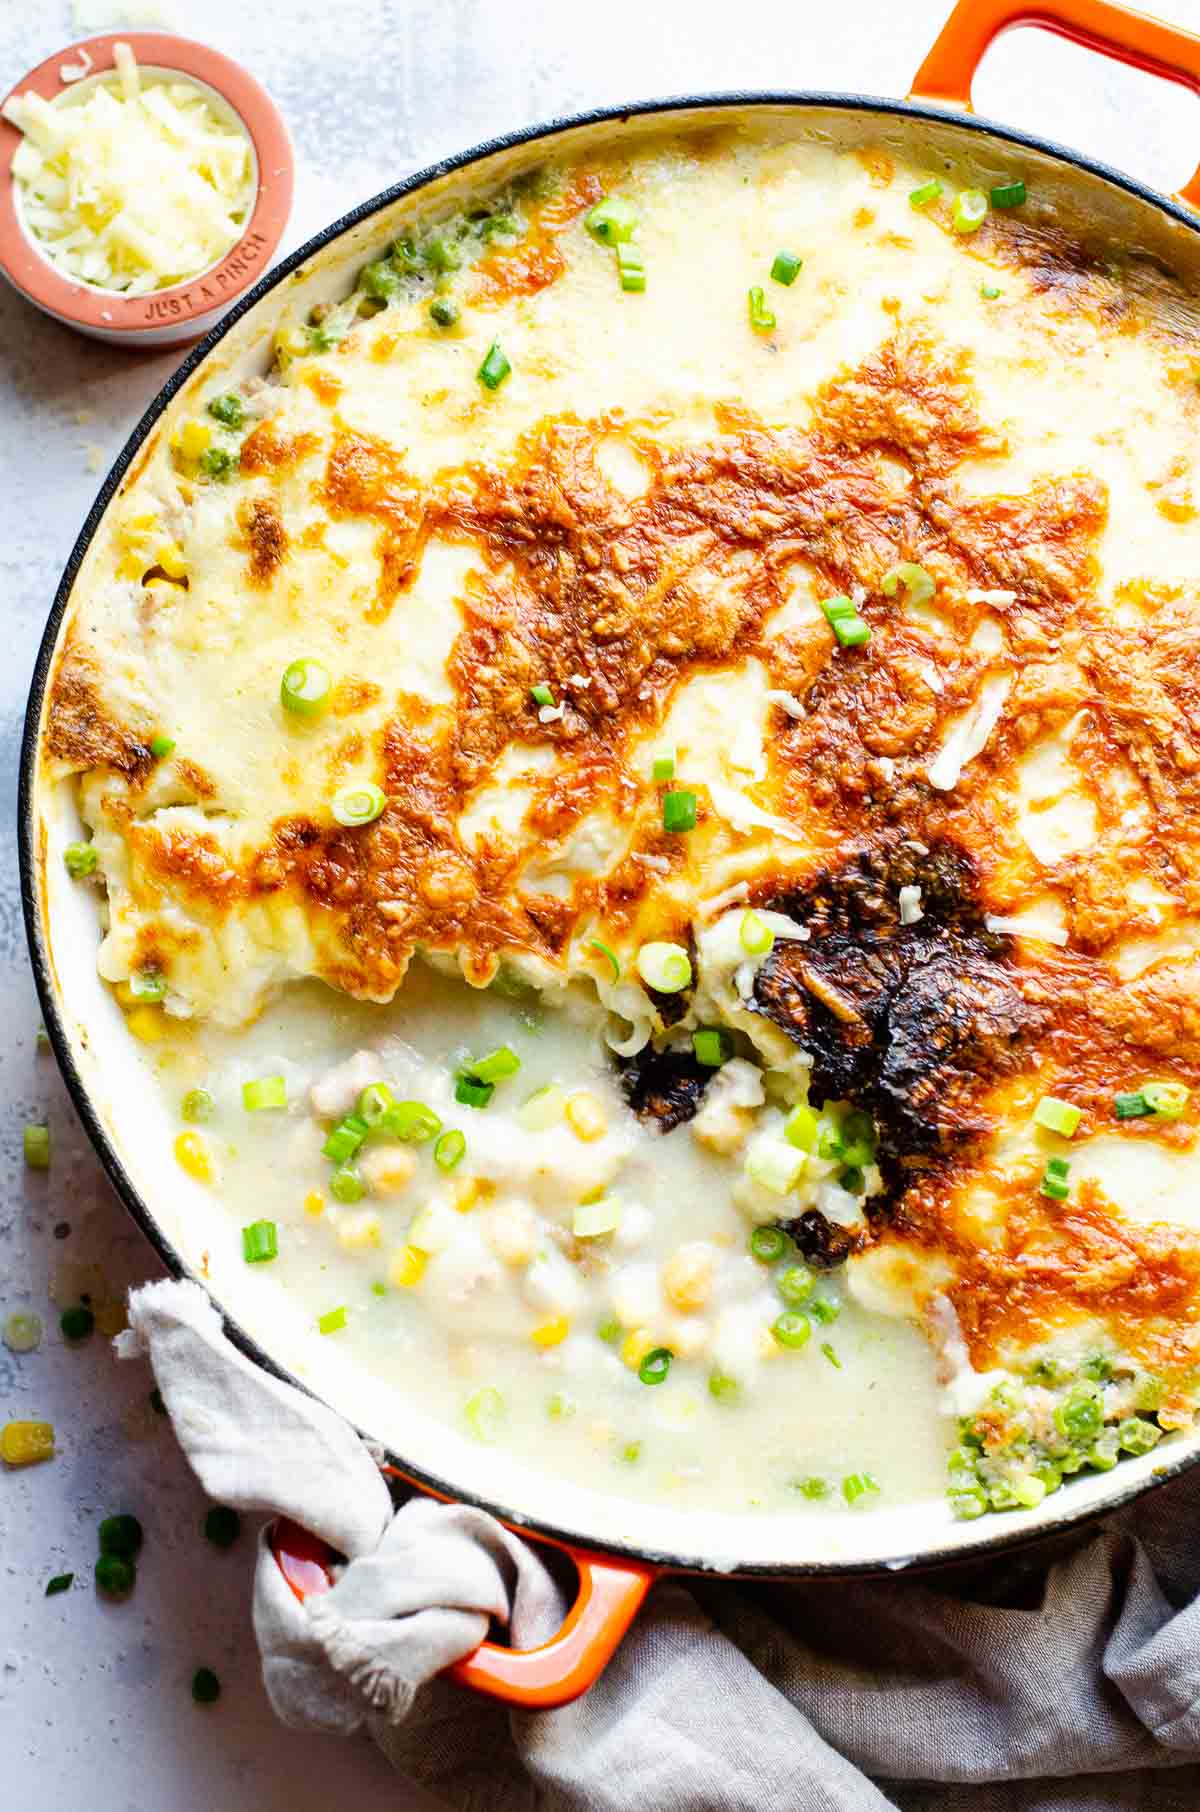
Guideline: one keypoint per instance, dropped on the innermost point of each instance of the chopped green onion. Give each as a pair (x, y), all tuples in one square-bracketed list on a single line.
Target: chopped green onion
[(379, 280), (443, 312), (305, 688), (61, 1582), (485, 1412), (358, 804), (495, 1067), (768, 1244), (857, 1485), (813, 1488), (761, 318), (374, 1102), (441, 254), (197, 1106), (1137, 1436), (918, 586), (147, 984), (1132, 1106), (22, 1331), (541, 694), (450, 1149), (724, 1387), (161, 746), (77, 1323), (831, 1355), (970, 210), (264, 1093), (411, 1121), (612, 221), (470, 1093), (679, 811), (1008, 194), (495, 367), (1057, 1116), (227, 410), (989, 291), (656, 1365), (80, 860), (792, 1330), (785, 267), (120, 1535), (631, 1453), (1054, 1179), (333, 1320), (1166, 1100), (667, 968), (346, 1185), (345, 1139), (560, 1407), (325, 335), (609, 1331), (260, 1242), (206, 1688), (543, 1109), (800, 1128), (795, 1285), (115, 1576), (823, 1310), (37, 1146), (631, 269), (218, 462), (712, 1046), (609, 955), (927, 192), (222, 1526), (664, 766), (755, 935), (592, 1219), (851, 630)]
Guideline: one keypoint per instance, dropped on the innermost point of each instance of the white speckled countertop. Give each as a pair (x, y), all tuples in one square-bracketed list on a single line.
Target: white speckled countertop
[(95, 1707)]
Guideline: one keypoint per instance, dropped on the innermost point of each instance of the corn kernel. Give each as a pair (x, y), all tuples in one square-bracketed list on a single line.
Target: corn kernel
[(193, 440), (586, 1116), (360, 1232), (635, 1347), (408, 1268), (147, 1024), (191, 1154), (551, 1333), (314, 1204), (25, 1443), (470, 1192), (688, 1275), (169, 555)]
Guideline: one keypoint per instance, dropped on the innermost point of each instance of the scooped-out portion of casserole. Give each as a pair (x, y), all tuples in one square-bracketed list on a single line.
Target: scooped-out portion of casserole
[(643, 784)]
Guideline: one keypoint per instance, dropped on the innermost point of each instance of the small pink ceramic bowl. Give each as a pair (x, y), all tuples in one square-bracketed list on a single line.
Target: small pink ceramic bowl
[(183, 313)]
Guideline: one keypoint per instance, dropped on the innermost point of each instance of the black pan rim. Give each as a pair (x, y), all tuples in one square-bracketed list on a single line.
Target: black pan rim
[(1003, 1540)]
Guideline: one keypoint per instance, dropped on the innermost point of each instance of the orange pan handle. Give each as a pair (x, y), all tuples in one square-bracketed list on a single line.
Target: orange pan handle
[(534, 1679), (1116, 31)]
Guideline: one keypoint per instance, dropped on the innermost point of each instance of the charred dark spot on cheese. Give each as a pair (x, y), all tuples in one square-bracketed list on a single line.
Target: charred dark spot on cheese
[(823, 1243), (266, 538), (664, 1088), (80, 729), (909, 1021)]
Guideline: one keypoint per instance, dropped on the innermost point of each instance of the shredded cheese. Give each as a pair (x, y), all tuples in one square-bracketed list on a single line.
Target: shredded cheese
[(742, 813), (1025, 927), (969, 734), (131, 185), (911, 910)]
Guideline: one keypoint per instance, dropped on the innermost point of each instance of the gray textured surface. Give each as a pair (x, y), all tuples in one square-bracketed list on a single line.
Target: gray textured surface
[(94, 1699)]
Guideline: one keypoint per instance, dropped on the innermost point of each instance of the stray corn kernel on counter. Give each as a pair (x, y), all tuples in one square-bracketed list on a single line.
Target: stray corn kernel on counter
[(642, 812)]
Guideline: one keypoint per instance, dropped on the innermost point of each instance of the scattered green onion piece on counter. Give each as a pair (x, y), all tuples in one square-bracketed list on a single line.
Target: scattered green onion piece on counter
[(115, 1576), (62, 1582), (37, 1146), (786, 267), (450, 1149), (857, 1485), (592, 1219), (356, 805), (468, 1092), (333, 1320), (77, 1322), (22, 1331), (813, 1488), (441, 254), (631, 269), (485, 1412), (989, 291), (264, 1094), (161, 747), (679, 811), (723, 1386), (609, 955), (612, 221), (344, 1139), (800, 1128), (667, 968), (222, 1526), (374, 1102), (379, 280), (80, 860), (227, 410), (305, 688), (346, 1185), (822, 1309), (918, 586), (206, 1688), (543, 1109), (541, 694), (656, 1365), (260, 1242), (711, 1046), (664, 766), (1166, 1100), (120, 1535), (755, 935), (792, 1330), (927, 192), (197, 1106), (1054, 1180), (761, 318), (1132, 1106), (609, 1331), (1057, 1116), (1009, 194), (410, 1121), (218, 462), (970, 210), (768, 1244), (795, 1285), (443, 312), (831, 1355), (850, 629), (495, 367), (497, 1066)]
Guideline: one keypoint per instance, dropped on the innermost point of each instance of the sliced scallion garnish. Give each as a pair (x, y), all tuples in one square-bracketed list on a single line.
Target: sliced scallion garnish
[(970, 210), (664, 765), (333, 1320), (850, 630), (410, 1121), (495, 367), (1057, 1116), (469, 1092), (1166, 1100), (761, 318), (630, 268), (609, 955), (450, 1149), (918, 586), (1009, 194), (356, 805), (785, 267), (712, 1046), (541, 694), (612, 221), (927, 192), (679, 810), (495, 1067), (667, 968), (1054, 1180), (264, 1093), (260, 1242), (755, 935), (305, 688)]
